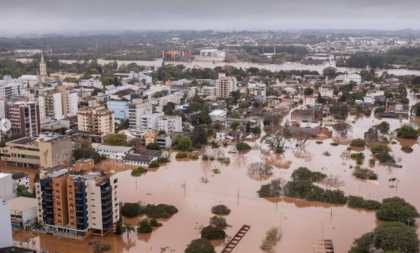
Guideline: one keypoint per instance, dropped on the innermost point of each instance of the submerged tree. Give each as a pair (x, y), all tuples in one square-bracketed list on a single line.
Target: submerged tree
[(260, 170), (342, 128), (277, 139)]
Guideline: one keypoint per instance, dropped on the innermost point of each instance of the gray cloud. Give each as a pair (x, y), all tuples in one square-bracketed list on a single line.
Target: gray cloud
[(73, 15)]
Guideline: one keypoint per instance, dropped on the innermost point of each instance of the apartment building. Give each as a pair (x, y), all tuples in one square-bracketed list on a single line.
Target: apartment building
[(25, 119), (170, 124), (225, 85), (136, 110), (258, 90), (70, 101), (45, 151), (120, 108), (150, 121), (51, 105), (77, 201), (6, 238), (96, 122)]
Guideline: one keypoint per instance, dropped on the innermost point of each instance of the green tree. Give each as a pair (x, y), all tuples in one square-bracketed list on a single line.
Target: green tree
[(130, 210), (388, 237), (213, 233), (144, 227), (407, 132), (154, 164), (235, 95), (169, 108), (153, 146), (199, 136), (183, 143), (234, 125), (308, 91), (331, 72), (358, 143), (397, 209), (118, 139), (200, 246), (127, 228)]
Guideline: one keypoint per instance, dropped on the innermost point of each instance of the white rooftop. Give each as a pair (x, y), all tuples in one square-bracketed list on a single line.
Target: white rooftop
[(4, 175), (21, 204), (98, 146), (217, 112)]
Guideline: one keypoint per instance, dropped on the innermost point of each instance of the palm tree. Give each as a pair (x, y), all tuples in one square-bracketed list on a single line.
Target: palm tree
[(127, 228)]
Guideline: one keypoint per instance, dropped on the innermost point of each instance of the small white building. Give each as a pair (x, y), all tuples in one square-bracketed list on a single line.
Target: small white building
[(94, 83), (150, 121), (220, 136), (310, 100), (23, 212), (112, 152), (170, 124), (7, 187), (347, 78), (6, 239), (326, 92), (258, 90), (20, 178), (217, 115), (164, 141)]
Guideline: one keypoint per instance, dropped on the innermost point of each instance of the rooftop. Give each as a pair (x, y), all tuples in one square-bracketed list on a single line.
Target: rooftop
[(98, 146), (140, 158), (21, 204), (14, 250), (18, 175)]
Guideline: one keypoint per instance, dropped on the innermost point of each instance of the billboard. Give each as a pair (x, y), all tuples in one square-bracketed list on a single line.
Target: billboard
[(176, 55)]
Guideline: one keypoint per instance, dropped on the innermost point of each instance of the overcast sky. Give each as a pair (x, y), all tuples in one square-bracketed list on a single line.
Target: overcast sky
[(22, 16)]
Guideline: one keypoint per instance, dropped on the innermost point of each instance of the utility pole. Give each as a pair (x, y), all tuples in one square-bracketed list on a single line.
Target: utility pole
[(331, 213), (185, 188), (322, 228), (238, 196)]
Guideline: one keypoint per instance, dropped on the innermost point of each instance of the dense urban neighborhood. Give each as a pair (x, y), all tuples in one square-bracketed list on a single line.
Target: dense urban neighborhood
[(204, 142)]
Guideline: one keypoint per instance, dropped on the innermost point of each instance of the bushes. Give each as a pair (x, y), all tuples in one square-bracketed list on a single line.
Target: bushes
[(220, 210), (326, 153), (205, 157), (273, 189), (155, 223), (163, 160), (181, 155), (359, 202), (303, 173), (382, 153), (242, 146), (359, 157), (365, 174), (212, 233), (407, 149), (360, 143), (397, 209), (130, 209), (218, 222), (144, 227), (160, 211), (407, 132), (200, 246), (154, 164), (194, 157), (271, 239)]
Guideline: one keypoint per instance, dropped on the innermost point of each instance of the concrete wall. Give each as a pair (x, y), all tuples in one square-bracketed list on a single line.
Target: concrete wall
[(7, 189)]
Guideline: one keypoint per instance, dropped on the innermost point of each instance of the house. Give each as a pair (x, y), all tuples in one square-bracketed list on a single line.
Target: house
[(300, 115), (326, 92), (112, 152), (258, 90), (253, 121), (123, 94), (328, 121), (313, 62), (347, 78), (150, 137), (236, 135), (309, 131), (310, 100), (217, 115), (143, 157), (220, 136)]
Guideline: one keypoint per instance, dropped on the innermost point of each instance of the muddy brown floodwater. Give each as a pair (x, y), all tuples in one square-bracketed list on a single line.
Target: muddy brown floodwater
[(301, 222)]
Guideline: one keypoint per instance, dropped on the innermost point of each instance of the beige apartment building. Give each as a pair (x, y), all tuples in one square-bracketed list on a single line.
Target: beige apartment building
[(225, 85), (95, 122), (38, 152), (77, 201)]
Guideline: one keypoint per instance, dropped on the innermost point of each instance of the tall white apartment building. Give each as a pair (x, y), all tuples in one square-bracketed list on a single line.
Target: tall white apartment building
[(150, 121), (225, 85), (51, 105), (170, 124), (136, 110)]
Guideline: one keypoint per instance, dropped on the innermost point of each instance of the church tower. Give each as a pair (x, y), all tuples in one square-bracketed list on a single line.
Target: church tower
[(42, 70)]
